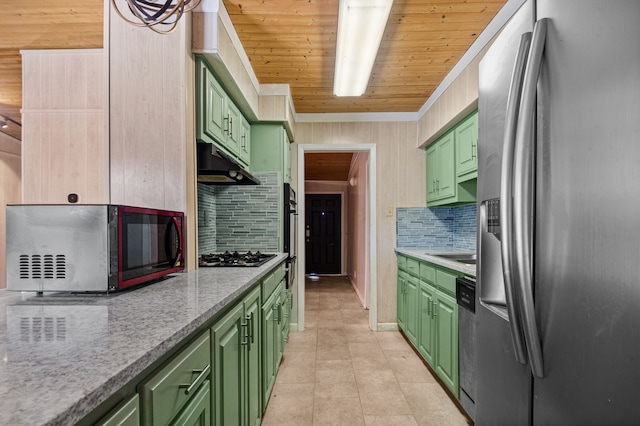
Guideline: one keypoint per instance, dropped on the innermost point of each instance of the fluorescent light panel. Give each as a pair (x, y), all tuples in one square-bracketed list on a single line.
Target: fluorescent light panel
[(360, 27)]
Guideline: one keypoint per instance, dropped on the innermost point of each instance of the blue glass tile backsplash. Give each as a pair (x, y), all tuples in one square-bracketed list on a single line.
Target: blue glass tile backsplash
[(240, 217), (438, 227)]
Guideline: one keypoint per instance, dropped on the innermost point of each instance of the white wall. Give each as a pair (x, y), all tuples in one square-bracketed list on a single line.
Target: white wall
[(357, 247), (10, 190)]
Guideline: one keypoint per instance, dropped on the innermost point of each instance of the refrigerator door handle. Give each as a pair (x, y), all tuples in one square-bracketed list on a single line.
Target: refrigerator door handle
[(506, 202), (523, 197)]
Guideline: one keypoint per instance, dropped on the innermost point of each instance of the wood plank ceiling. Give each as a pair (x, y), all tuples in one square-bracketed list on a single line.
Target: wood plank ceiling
[(294, 42), (287, 41), (327, 165)]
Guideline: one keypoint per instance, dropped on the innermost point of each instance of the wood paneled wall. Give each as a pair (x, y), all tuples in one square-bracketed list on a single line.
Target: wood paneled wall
[(64, 149), (148, 114), (10, 190), (357, 247), (460, 98), (400, 183)]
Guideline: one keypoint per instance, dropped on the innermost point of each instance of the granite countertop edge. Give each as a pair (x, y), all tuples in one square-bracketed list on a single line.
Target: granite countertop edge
[(70, 412), (429, 254)]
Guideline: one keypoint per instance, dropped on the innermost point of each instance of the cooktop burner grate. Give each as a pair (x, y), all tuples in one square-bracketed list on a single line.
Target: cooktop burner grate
[(234, 259)]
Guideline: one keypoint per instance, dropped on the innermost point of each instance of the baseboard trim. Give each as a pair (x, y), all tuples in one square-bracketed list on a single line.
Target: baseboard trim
[(293, 326), (388, 326)]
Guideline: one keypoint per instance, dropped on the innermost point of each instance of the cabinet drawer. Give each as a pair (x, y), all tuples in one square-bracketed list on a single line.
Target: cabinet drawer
[(427, 273), (413, 266), (126, 413), (168, 390), (446, 281), (269, 284), (402, 262), (280, 272)]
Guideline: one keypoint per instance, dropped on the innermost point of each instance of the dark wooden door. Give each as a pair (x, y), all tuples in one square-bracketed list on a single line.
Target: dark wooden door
[(323, 233)]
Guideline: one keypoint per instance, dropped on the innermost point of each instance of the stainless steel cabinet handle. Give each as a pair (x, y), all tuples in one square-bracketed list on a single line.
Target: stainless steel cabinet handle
[(202, 373), (506, 201), (473, 150), (434, 311), (523, 196), (227, 120), (429, 308)]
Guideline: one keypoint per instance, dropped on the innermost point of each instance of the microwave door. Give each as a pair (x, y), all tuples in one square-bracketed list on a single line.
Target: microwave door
[(173, 242)]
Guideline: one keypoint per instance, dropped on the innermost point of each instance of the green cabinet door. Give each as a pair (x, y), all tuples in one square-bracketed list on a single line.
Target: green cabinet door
[(126, 413), (198, 410), (269, 327), (244, 154), (400, 291), (426, 326), (229, 337), (253, 359), (213, 111), (446, 312), (466, 135), (446, 180), (234, 126), (279, 345), (432, 172), (411, 308)]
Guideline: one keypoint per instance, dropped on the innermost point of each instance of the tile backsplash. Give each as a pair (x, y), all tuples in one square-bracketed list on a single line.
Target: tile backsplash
[(438, 227), (244, 217)]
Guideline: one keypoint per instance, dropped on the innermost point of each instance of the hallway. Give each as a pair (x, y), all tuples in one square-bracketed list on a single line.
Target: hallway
[(338, 372)]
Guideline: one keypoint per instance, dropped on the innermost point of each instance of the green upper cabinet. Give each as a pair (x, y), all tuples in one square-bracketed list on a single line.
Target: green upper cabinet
[(270, 150), (466, 135), (441, 171), (218, 118), (452, 165), (244, 154)]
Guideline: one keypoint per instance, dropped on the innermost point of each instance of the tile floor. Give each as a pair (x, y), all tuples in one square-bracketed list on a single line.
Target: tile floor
[(338, 372)]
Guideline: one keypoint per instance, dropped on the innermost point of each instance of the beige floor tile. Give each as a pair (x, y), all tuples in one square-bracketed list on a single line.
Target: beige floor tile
[(360, 336), (329, 323), (385, 403), (335, 371), (372, 381), (291, 405), (330, 314), (408, 367), (431, 405), (336, 390), (297, 367), (390, 421), (335, 352), (302, 341), (337, 412)]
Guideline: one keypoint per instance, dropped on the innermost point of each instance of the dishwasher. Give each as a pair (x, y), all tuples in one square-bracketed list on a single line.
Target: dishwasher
[(466, 298)]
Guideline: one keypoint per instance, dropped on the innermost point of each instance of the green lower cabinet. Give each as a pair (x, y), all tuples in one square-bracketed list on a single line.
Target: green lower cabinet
[(279, 345), (446, 365), (198, 410), (126, 413), (168, 390), (411, 308), (236, 352), (426, 329), (228, 339), (253, 359), (428, 315), (269, 329), (401, 288)]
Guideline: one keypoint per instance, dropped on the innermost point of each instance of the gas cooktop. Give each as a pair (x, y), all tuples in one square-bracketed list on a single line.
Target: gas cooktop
[(234, 259)]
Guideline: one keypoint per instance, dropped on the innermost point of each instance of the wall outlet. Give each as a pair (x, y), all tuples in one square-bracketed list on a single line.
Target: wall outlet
[(390, 211)]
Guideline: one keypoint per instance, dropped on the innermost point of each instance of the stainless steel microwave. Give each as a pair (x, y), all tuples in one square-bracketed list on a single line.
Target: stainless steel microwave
[(90, 248)]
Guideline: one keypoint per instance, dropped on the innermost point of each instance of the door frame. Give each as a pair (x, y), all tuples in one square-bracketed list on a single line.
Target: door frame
[(372, 255)]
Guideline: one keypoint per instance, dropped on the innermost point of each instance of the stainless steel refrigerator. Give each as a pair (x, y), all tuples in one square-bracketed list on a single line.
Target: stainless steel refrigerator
[(558, 332)]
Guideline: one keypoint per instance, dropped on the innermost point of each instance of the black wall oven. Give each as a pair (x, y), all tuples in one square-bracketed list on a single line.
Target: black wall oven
[(290, 232)]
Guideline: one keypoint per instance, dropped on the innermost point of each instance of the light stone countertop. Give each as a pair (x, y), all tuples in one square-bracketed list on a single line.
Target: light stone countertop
[(428, 255), (62, 355)]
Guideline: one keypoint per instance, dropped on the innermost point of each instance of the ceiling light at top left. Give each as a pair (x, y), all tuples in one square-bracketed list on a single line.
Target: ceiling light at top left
[(150, 13)]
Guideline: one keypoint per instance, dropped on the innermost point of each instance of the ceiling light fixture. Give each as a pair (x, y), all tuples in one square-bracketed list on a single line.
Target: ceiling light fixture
[(360, 28), (3, 123), (153, 12)]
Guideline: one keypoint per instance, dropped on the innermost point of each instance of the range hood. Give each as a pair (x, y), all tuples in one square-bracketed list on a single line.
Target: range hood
[(217, 168)]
